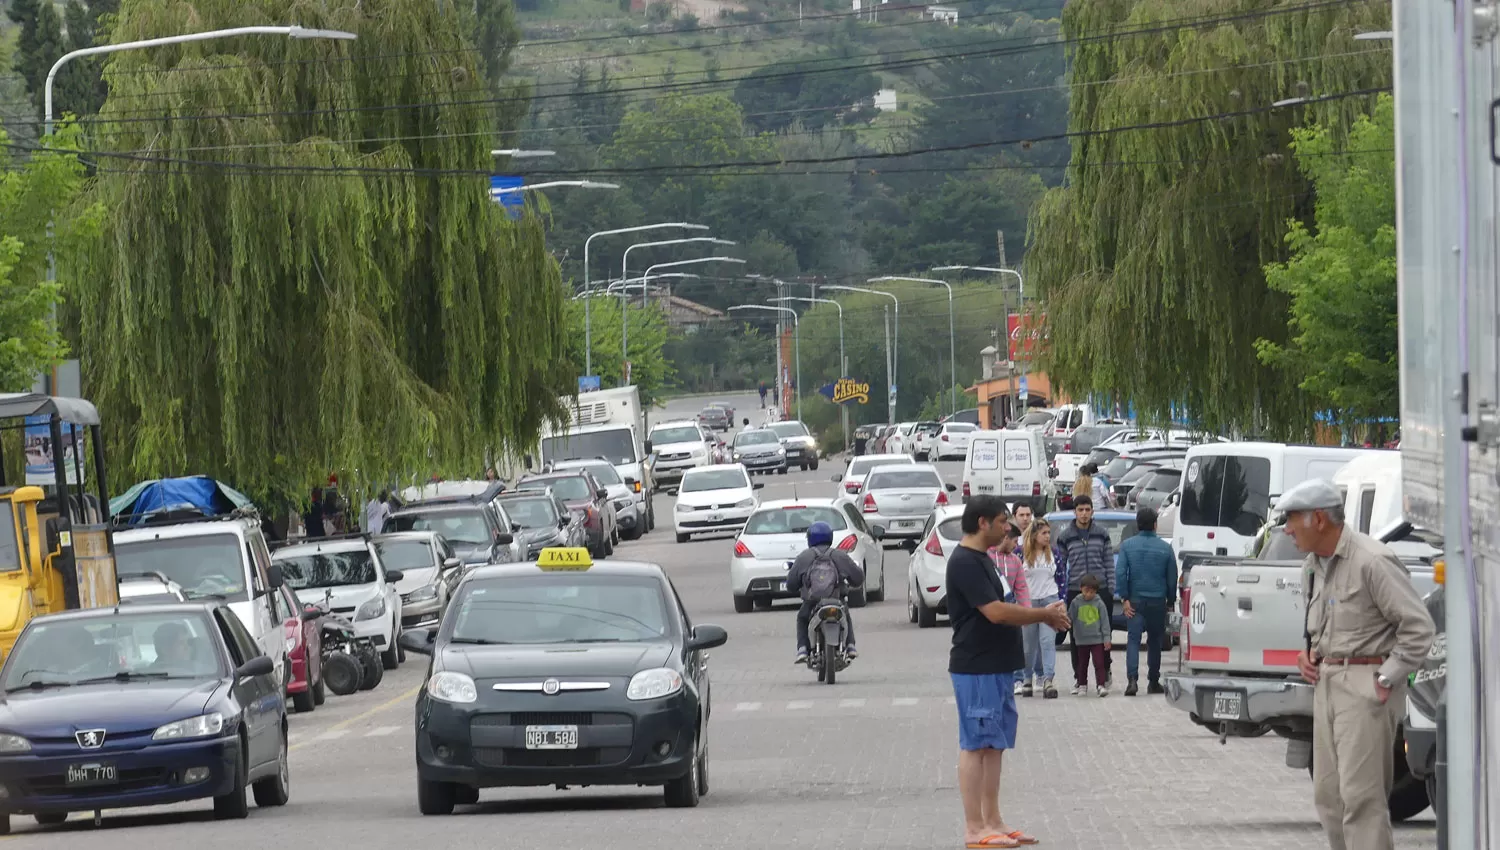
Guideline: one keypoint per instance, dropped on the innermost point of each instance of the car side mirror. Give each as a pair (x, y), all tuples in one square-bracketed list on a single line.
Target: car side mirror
[(417, 640), (759, 485), (877, 532), (260, 665), (273, 576), (648, 448), (562, 522), (952, 488), (310, 613), (504, 539), (909, 545), (631, 481), (601, 493), (707, 637), (451, 562), (1051, 472), (394, 576)]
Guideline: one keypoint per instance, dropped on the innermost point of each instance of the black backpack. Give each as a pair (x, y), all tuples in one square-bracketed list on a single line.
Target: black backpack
[(823, 577)]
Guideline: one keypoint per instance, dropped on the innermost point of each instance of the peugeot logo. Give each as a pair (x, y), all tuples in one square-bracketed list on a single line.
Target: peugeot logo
[(551, 687), (89, 739)]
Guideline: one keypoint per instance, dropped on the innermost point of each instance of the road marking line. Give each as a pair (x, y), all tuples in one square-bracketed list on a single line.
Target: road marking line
[(747, 706), (798, 705), (333, 735), (904, 701), (345, 724), (851, 703), (380, 731)]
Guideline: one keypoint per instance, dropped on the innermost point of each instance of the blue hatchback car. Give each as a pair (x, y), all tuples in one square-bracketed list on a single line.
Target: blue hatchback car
[(144, 705)]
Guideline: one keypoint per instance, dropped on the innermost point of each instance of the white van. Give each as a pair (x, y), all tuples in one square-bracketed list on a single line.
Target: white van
[(1372, 501), (1229, 490), (1009, 464)]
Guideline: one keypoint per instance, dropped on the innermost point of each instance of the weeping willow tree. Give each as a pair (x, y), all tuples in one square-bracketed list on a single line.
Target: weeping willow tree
[(1150, 258), (288, 284)]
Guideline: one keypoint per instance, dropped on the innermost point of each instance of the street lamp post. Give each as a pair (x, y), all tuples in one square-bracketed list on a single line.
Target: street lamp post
[(796, 342), (1021, 349), (645, 283), (843, 363), (554, 184), (952, 347), (891, 352), (588, 323), (625, 261)]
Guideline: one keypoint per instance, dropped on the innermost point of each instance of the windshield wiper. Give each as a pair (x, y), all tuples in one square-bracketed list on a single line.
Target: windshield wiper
[(124, 676), (37, 685), (478, 641)]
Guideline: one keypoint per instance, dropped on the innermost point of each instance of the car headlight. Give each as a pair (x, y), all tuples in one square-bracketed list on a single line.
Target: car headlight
[(421, 594), (14, 744), (622, 504), (682, 509), (699, 451), (736, 456), (371, 609), (653, 684), (747, 503), (449, 686), (193, 727), (781, 452)]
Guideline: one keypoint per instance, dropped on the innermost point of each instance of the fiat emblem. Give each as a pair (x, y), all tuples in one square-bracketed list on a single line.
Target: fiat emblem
[(551, 687)]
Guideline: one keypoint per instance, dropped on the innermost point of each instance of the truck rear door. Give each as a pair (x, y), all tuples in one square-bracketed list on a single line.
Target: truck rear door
[(1245, 618)]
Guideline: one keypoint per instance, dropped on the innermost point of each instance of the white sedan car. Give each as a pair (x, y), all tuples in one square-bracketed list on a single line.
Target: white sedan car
[(777, 533), (854, 474), (712, 499), (953, 440), (926, 595)]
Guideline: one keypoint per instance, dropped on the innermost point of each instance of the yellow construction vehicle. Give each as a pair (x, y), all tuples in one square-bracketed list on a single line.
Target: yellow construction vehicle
[(56, 552)]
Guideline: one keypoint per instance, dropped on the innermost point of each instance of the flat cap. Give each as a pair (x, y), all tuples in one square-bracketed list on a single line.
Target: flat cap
[(1317, 494)]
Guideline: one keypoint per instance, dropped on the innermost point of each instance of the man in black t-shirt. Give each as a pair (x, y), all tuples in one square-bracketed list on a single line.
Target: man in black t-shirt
[(986, 654)]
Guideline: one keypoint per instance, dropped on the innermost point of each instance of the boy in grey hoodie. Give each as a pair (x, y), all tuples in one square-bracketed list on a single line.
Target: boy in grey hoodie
[(1091, 635)]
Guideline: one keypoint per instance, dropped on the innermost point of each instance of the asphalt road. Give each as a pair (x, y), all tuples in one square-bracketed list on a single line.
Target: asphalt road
[(868, 762)]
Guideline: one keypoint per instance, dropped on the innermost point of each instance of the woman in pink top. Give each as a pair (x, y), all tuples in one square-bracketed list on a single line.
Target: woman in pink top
[(1008, 562)]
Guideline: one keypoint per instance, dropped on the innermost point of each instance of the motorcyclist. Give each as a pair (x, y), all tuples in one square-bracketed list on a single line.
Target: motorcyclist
[(798, 580)]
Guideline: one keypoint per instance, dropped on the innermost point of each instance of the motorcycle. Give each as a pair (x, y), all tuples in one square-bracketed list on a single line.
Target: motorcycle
[(827, 635), (350, 663)]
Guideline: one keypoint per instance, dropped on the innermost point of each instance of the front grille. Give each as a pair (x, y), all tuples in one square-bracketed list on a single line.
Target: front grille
[(551, 718), (675, 456), (134, 779), (585, 757), (348, 610)]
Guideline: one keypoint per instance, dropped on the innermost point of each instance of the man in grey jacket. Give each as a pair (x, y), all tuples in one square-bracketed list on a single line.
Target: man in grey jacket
[(1084, 549)]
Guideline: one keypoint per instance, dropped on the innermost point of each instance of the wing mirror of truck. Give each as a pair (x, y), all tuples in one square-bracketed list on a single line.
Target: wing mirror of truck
[(1051, 472), (601, 493), (273, 576), (649, 450)]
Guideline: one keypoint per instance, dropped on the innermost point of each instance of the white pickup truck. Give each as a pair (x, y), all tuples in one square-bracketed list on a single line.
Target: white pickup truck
[(1238, 656)]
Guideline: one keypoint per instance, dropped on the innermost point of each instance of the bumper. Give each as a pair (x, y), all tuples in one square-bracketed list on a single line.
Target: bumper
[(673, 470), (150, 776), (374, 630), (1421, 749), (298, 683), (898, 527), (1211, 700), (617, 744), (798, 455), (760, 578), (628, 517), (704, 522), (422, 613), (761, 464)]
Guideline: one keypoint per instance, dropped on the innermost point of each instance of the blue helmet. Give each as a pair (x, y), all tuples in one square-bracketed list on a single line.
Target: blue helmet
[(820, 534)]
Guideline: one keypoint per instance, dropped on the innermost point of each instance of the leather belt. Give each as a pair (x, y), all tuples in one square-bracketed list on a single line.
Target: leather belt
[(1374, 660)]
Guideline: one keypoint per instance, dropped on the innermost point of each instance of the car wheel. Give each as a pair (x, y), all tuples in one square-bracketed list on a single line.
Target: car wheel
[(304, 701), (682, 793), (857, 598), (342, 673), (276, 790), (50, 818), (4, 824), (743, 604), (609, 546), (635, 533), (926, 617), (803, 467), (465, 795), (911, 604), (683, 538), (435, 798), (781, 471), (878, 594), (815, 465), (390, 658), (650, 517), (233, 806), (320, 690), (374, 673)]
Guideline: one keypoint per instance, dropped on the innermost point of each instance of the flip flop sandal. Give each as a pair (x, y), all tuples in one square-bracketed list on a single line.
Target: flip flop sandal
[(996, 840), (1021, 838)]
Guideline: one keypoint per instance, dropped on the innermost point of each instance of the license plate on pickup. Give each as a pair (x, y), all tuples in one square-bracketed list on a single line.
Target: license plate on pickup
[(1227, 705), (84, 775), (551, 737), (781, 586), (906, 523)]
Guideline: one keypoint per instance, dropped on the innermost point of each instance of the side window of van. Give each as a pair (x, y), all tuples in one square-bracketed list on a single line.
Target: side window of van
[(1366, 507)]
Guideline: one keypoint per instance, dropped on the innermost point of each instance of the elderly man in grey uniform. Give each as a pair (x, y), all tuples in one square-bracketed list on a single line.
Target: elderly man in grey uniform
[(1366, 631)]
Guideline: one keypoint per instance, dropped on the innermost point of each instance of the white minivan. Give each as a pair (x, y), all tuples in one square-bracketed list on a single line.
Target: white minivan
[(1011, 465), (1229, 490)]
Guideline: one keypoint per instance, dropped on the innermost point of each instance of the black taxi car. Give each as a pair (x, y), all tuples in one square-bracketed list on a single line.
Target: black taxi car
[(564, 671)]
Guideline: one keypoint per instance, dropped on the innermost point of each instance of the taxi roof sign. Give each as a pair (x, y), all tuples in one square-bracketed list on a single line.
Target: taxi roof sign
[(561, 559)]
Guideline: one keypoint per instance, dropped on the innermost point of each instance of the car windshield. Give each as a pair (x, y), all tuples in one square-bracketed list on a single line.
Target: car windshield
[(1163, 480), (888, 479), (329, 569), (1279, 546), (929, 427), (532, 513), (862, 466), (561, 608), (120, 646), (681, 434), (755, 438), (1137, 473), (405, 554), (569, 488), (1086, 438), (615, 446), (788, 429), (466, 528), (1119, 530), (960, 427), (714, 479), (208, 565), (1102, 456), (794, 520), (1035, 419)]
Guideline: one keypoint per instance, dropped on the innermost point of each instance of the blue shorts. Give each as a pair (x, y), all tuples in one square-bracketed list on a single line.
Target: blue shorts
[(987, 716)]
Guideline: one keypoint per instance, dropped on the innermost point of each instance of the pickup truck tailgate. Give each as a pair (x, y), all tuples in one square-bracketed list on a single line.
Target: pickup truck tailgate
[(1245, 616)]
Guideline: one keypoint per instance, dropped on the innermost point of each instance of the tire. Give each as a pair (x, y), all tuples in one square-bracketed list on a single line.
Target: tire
[(743, 604), (828, 673), (435, 798), (682, 792), (636, 532), (913, 613), (781, 471), (304, 702), (374, 672), (609, 545), (803, 467), (234, 806), (857, 598), (1408, 795), (815, 465), (342, 674), (275, 790), (465, 795), (926, 617), (4, 824), (50, 818), (319, 691), (683, 538), (878, 595), (390, 657), (650, 516)]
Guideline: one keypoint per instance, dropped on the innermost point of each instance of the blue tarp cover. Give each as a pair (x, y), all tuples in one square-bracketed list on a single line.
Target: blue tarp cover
[(197, 493)]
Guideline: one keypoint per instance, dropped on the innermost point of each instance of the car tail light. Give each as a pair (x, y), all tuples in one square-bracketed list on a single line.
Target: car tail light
[(933, 547), (294, 635), (942, 498), (849, 543), (1067, 447), (851, 486), (966, 489), (944, 438), (741, 550), (1036, 488), (870, 503)]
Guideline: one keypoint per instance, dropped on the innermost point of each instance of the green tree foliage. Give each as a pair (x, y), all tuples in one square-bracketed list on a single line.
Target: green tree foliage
[(29, 193), (1341, 278), (45, 36), (783, 93), (257, 312), (1150, 258), (956, 224), (650, 371)]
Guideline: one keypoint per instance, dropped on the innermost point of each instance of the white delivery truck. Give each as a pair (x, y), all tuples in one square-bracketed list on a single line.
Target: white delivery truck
[(609, 425)]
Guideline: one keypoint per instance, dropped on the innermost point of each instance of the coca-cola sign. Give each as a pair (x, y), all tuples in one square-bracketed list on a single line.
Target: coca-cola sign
[(1028, 335)]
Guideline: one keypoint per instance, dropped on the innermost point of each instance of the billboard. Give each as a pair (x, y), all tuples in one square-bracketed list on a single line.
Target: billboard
[(40, 453), (1027, 333)]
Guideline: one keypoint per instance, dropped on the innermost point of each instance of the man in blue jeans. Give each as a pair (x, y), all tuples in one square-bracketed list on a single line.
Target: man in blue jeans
[(1146, 579)]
